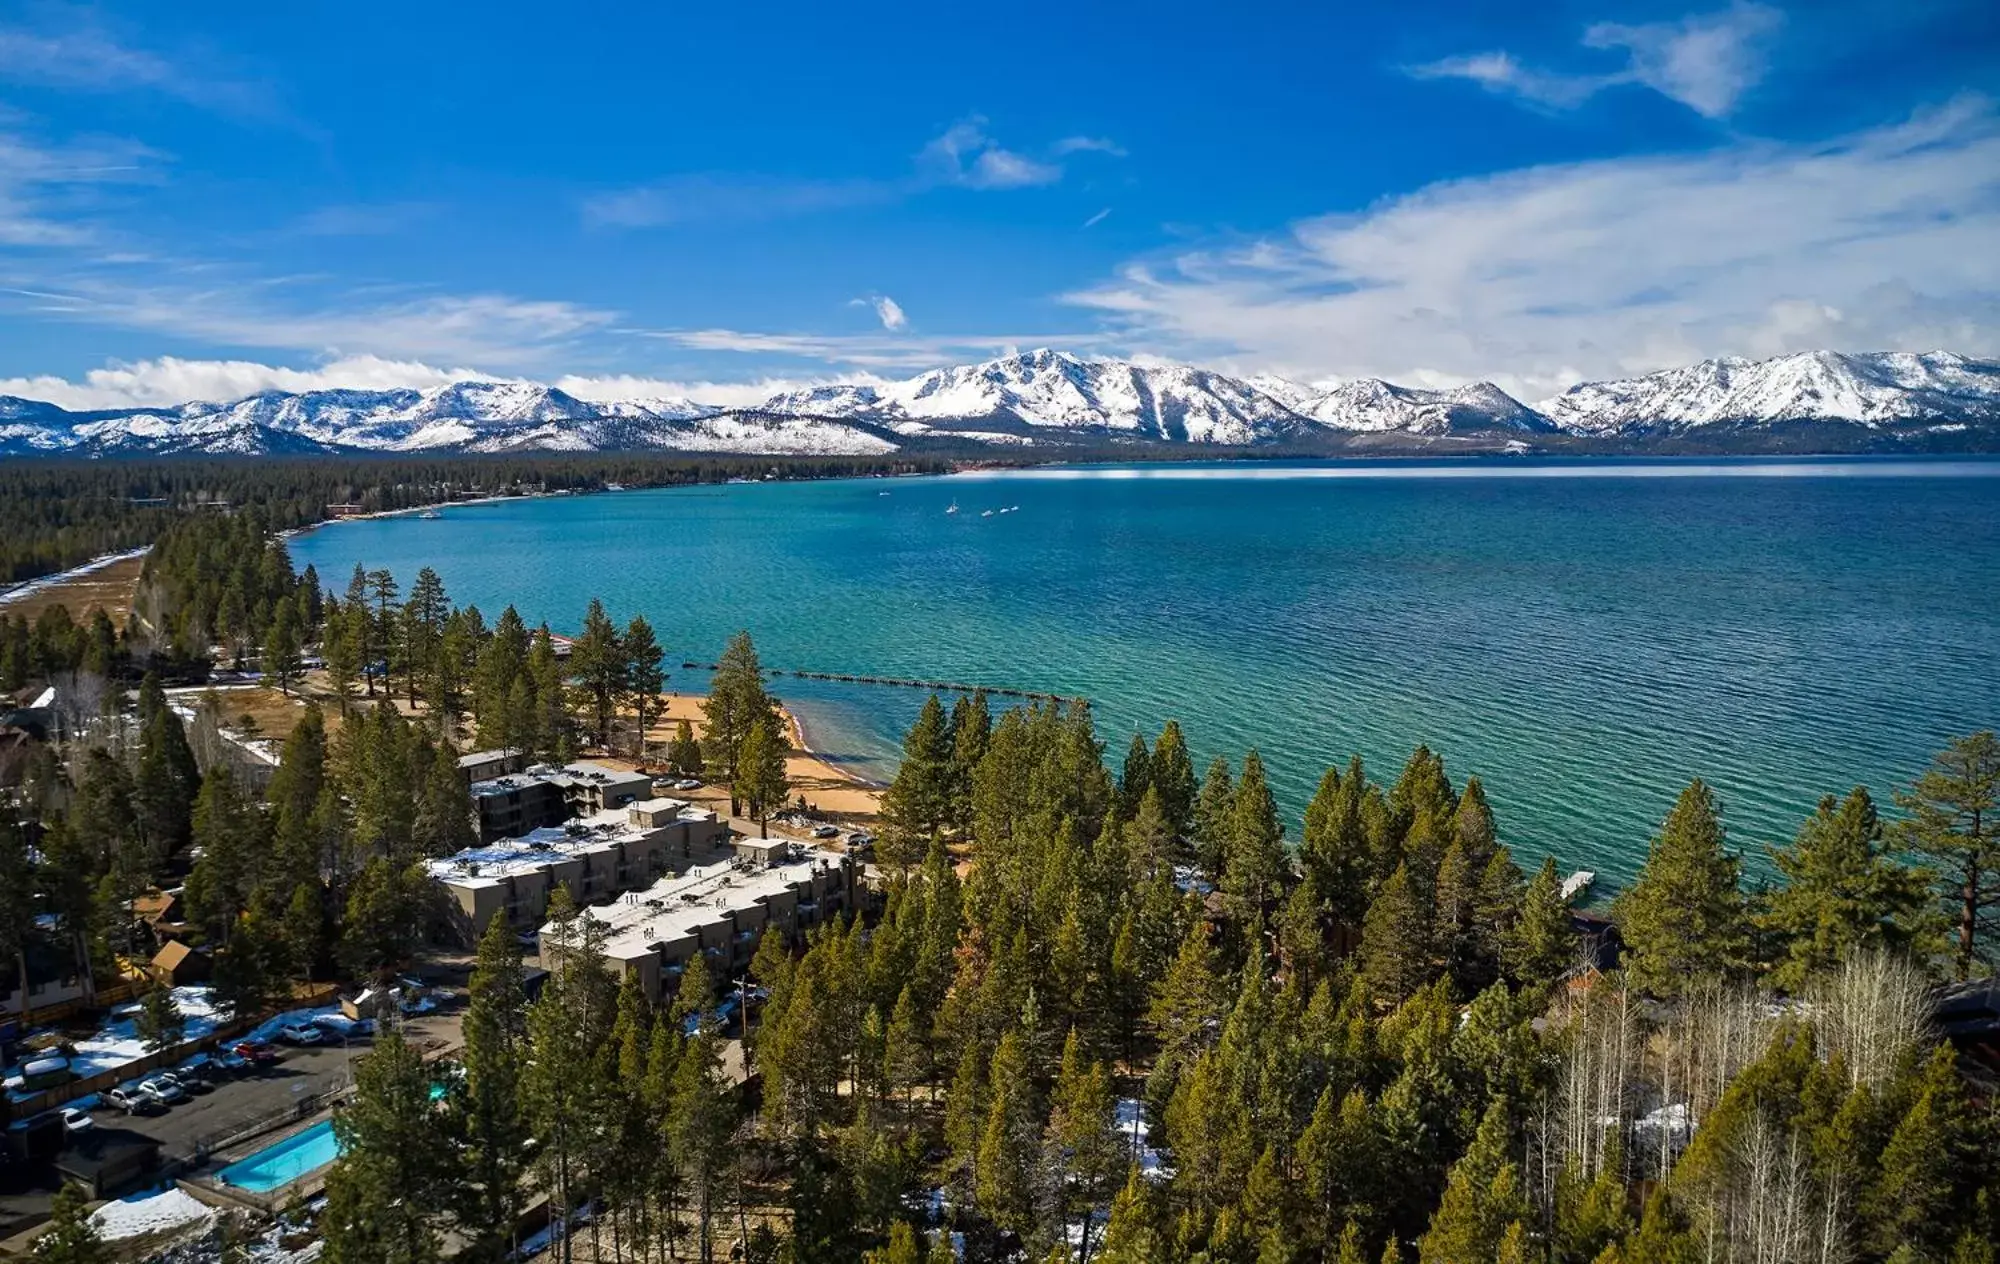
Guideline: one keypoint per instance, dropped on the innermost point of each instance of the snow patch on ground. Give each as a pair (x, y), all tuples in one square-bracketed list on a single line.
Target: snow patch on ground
[(117, 1042), (155, 1211), (1133, 1127)]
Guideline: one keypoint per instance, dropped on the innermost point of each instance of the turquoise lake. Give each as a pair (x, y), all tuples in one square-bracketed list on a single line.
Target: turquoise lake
[(1585, 636)]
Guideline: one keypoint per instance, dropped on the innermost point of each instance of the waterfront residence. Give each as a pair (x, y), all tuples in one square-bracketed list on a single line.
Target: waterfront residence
[(596, 856), (719, 910), (513, 804)]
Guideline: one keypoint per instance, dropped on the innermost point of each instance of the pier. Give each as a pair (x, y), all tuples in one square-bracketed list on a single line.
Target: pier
[(935, 686)]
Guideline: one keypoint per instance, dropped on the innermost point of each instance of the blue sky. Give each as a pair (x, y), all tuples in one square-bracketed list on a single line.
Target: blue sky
[(202, 201)]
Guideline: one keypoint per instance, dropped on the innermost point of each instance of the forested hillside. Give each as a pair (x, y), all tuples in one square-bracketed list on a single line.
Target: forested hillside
[(1096, 1014)]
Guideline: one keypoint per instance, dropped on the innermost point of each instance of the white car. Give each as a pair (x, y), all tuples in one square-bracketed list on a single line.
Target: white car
[(301, 1034), (687, 783), (826, 831), (76, 1119)]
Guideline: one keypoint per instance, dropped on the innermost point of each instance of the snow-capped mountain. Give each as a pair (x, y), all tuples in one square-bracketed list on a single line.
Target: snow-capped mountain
[(1870, 390), (1370, 404), (1811, 401), (1054, 391)]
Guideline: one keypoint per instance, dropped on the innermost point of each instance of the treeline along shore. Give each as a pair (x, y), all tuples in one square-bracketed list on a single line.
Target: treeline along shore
[(1091, 1009), (60, 513)]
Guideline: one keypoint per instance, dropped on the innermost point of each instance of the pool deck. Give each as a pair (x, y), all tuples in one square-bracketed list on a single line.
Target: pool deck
[(207, 1185)]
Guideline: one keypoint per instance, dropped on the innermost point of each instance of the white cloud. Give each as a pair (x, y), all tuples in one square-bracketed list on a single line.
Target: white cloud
[(737, 198), (966, 155), (495, 329), (81, 54), (868, 351), (889, 313), (42, 185), (1087, 145), (1705, 61), (361, 220), (1883, 239), (748, 394), (170, 380)]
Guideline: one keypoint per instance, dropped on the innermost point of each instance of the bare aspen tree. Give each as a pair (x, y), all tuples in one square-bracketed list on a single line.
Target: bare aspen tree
[(1872, 1011)]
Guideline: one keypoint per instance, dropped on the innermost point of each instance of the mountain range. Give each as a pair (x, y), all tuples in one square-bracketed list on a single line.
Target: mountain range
[(1819, 401)]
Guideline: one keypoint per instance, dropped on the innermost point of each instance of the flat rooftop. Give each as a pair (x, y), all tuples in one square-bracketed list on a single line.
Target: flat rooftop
[(602, 831), (578, 773), (678, 905)]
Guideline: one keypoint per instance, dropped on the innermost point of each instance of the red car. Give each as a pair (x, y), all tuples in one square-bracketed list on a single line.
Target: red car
[(255, 1052)]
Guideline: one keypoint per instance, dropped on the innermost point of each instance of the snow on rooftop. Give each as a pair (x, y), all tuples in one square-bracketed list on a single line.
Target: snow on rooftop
[(677, 906)]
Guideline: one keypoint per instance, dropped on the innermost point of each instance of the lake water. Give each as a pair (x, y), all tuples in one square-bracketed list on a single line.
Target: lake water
[(1584, 635)]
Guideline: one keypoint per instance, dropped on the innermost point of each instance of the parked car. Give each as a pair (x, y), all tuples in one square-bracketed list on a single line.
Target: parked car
[(233, 1064), (254, 1052), (826, 831), (163, 1089), (76, 1120), (187, 1079), (301, 1034), (131, 1099), (687, 783)]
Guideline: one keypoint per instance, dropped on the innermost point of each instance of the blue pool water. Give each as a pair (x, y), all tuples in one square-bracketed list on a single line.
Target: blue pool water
[(1585, 635), (281, 1164)]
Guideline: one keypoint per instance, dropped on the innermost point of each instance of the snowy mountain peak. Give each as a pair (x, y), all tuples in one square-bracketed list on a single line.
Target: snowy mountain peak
[(1869, 390), (1045, 396)]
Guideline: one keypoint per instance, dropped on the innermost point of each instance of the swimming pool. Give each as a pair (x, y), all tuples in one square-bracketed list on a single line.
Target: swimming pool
[(297, 1155), (285, 1162)]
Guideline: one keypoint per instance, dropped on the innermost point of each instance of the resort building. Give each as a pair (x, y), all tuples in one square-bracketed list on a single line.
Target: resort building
[(512, 805), (720, 910), (596, 856), (485, 765)]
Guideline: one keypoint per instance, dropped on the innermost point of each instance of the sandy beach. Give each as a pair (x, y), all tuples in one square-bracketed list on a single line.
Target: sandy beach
[(824, 785)]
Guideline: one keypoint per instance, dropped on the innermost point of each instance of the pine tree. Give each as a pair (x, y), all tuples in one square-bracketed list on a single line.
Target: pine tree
[(1953, 821), (684, 753), (1929, 1166), (1173, 774), (1841, 893), (699, 1121), (486, 1104), (1395, 953), (736, 701), (160, 1023), (1214, 812), (1334, 847), (1007, 1144), (760, 782), (1081, 1151), (1684, 920), (971, 730), (389, 1185), (1481, 1200), (1254, 866), (1136, 776), (598, 662), (1541, 944), (919, 803), (645, 678), (70, 1237)]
